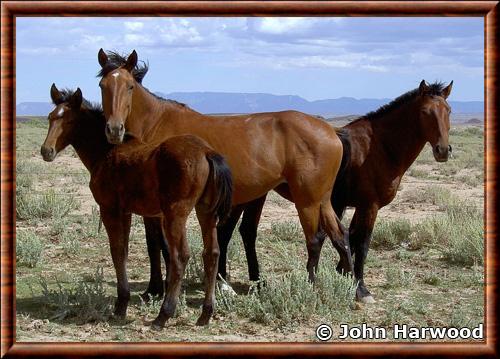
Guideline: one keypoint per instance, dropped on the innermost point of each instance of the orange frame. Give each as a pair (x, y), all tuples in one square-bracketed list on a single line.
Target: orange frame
[(11, 9)]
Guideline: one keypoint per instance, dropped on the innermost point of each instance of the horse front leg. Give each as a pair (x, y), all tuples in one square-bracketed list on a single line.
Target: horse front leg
[(156, 245), (117, 226), (248, 231), (224, 234)]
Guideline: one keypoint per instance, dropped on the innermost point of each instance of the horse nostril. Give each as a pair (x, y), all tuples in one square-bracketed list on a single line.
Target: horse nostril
[(121, 127), (47, 151), (437, 148), (450, 148), (108, 129)]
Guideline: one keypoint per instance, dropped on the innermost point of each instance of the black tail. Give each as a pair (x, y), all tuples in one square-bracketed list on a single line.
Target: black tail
[(222, 180), (340, 193), (346, 153)]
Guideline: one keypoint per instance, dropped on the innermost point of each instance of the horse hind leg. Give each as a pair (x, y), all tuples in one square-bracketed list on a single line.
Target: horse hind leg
[(361, 231), (309, 220), (338, 235), (210, 259)]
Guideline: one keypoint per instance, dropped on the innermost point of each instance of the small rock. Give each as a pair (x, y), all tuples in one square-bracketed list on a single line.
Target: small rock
[(36, 324), (357, 306)]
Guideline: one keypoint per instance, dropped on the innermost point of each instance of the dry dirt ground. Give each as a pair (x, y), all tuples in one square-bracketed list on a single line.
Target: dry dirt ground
[(454, 297)]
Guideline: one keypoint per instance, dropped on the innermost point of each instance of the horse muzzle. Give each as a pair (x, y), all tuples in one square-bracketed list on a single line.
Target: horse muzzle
[(115, 133), (48, 153), (442, 153)]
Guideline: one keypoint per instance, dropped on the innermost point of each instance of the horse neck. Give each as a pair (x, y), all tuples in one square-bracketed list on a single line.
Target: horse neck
[(144, 114), (90, 141), (399, 137)]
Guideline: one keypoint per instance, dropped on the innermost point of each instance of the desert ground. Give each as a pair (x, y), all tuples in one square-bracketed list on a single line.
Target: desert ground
[(424, 268)]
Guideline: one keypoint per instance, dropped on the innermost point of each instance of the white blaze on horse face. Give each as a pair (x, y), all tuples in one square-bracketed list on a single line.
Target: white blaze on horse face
[(60, 112), (116, 74)]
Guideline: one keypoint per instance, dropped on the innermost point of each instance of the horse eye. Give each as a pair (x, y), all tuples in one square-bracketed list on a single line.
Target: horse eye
[(131, 87)]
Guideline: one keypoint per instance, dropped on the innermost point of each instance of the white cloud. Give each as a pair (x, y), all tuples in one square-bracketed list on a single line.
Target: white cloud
[(281, 25), (134, 25), (43, 50), (138, 40), (178, 33)]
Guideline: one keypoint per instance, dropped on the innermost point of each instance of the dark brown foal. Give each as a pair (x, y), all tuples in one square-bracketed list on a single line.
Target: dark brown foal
[(165, 180)]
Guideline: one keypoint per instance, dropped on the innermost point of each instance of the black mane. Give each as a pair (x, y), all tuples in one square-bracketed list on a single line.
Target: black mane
[(66, 95), (435, 89), (173, 102), (115, 60)]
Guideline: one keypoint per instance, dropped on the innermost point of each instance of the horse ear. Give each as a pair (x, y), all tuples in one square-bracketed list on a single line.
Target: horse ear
[(131, 61), (76, 99), (102, 58), (423, 88), (447, 90), (55, 95)]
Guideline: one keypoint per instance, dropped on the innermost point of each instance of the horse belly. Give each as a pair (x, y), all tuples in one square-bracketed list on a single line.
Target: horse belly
[(140, 195)]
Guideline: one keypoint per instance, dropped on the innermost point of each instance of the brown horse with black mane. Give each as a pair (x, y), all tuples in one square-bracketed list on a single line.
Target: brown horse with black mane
[(378, 149), (291, 150), (166, 180)]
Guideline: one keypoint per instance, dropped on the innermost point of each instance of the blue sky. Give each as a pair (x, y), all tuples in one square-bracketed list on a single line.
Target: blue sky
[(315, 58)]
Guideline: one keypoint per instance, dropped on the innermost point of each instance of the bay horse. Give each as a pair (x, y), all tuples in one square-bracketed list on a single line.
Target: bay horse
[(378, 149), (289, 150), (165, 180)]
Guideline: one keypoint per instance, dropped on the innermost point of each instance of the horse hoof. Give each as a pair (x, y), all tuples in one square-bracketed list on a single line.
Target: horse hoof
[(202, 321), (157, 325), (367, 300), (120, 314), (119, 319), (156, 328), (145, 297)]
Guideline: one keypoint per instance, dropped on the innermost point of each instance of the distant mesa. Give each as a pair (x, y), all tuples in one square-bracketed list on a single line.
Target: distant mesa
[(231, 103), (474, 121)]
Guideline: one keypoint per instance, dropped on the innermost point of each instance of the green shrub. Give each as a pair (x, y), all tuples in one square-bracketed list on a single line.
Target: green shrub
[(90, 226), (29, 248), (396, 277), (291, 298), (194, 268), (390, 234), (418, 173), (70, 242), (431, 279), (85, 300), (458, 233), (43, 206), (465, 244), (287, 231)]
